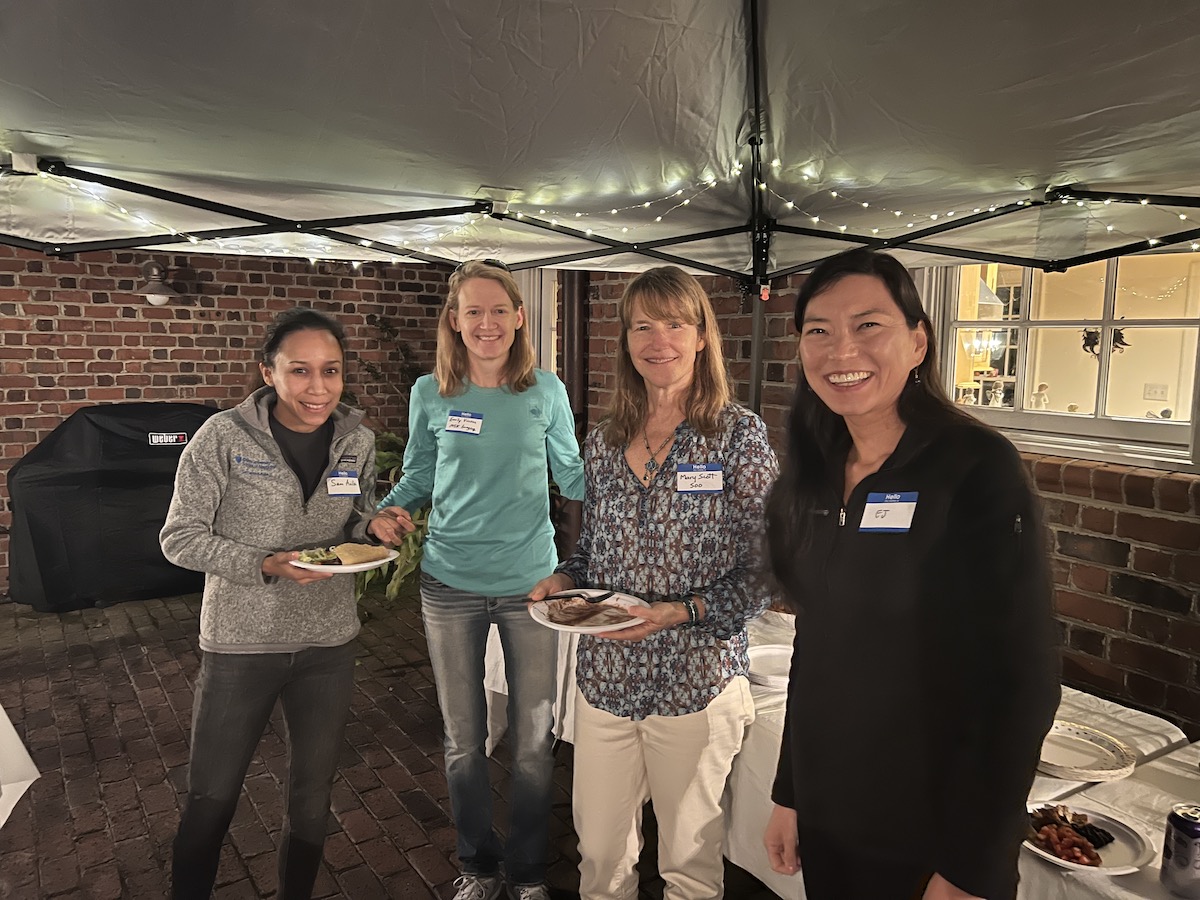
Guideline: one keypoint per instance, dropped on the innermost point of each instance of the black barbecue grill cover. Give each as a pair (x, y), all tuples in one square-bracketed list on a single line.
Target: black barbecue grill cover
[(88, 503)]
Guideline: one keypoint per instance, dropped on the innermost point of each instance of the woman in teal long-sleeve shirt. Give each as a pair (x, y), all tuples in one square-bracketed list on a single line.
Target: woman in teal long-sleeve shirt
[(482, 430)]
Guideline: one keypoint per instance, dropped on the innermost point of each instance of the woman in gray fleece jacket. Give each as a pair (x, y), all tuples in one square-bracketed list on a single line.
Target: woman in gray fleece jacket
[(288, 468)]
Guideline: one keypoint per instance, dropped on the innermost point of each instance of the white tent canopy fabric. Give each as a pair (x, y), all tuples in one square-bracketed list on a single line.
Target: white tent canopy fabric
[(603, 134)]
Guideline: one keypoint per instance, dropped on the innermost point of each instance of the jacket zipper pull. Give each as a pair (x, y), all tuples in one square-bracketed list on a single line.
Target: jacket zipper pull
[(841, 517), (1017, 524)]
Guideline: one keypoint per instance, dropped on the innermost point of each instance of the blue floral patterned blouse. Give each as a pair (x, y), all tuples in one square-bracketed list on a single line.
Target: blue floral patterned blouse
[(659, 543)]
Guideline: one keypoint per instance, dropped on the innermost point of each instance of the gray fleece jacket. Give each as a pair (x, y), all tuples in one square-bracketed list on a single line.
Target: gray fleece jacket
[(236, 502)]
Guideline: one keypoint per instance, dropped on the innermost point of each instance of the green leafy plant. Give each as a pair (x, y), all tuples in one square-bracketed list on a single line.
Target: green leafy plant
[(389, 460)]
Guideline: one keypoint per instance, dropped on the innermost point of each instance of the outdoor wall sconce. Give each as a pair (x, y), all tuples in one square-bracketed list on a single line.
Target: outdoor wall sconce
[(156, 291)]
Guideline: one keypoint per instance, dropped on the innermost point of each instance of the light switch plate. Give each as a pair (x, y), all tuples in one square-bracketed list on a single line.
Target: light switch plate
[(1154, 391)]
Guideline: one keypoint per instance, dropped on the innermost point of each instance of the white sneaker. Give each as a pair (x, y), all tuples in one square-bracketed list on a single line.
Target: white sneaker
[(479, 887), (528, 892)]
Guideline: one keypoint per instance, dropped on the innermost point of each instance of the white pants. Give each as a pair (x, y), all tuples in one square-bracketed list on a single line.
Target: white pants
[(679, 762)]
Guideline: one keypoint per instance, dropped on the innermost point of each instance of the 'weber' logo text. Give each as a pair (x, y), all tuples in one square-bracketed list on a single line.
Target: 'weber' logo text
[(176, 437)]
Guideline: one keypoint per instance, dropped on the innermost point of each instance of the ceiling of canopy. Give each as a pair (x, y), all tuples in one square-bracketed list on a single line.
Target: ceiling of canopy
[(748, 138)]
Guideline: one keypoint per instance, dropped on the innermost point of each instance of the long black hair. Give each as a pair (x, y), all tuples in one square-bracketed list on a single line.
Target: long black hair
[(817, 436)]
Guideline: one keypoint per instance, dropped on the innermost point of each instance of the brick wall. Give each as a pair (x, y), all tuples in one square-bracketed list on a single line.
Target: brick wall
[(1126, 553), (73, 333)]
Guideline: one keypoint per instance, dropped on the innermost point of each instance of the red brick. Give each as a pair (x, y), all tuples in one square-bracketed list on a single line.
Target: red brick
[(1047, 474), (1077, 478), (1150, 626), (1172, 492), (1139, 489), (1187, 569), (1094, 674), (1097, 519), (1146, 690), (1106, 484), (1159, 530), (1060, 512), (1092, 610), (1185, 636), (1150, 659), (1092, 579), (1152, 562)]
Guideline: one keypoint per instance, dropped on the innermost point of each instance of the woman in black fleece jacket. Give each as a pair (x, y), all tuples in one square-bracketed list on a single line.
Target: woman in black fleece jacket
[(925, 671)]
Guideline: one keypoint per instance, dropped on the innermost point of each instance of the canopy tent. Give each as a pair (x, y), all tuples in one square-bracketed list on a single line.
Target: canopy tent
[(743, 139)]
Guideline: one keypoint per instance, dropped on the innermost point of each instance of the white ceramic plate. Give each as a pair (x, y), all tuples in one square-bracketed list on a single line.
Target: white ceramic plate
[(770, 664), (1079, 753), (542, 611), (347, 570), (1128, 852)]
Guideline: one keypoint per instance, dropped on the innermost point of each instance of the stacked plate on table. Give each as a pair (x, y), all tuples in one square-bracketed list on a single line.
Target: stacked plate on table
[(770, 664), (1079, 753)]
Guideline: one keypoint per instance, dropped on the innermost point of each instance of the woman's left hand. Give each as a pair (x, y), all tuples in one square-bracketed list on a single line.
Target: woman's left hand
[(940, 889), (657, 615)]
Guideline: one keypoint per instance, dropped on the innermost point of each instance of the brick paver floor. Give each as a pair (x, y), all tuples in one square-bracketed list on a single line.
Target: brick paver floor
[(103, 699)]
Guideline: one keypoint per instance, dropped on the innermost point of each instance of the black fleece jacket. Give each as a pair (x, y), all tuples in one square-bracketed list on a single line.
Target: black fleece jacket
[(925, 670)]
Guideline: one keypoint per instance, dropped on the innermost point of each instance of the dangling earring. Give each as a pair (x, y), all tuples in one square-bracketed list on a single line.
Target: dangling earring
[(916, 376)]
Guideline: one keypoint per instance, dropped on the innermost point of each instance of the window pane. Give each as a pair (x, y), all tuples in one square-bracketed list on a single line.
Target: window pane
[(1159, 287), (985, 366), (1062, 375), (1077, 293), (990, 292), (1152, 376)]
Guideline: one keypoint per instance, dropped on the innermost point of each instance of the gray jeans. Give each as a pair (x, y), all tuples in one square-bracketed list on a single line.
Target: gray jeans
[(234, 698)]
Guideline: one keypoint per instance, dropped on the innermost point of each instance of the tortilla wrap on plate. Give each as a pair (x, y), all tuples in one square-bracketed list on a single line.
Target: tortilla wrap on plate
[(353, 554)]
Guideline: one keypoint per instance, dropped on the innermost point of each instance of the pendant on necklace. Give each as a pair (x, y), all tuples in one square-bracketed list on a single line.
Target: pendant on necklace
[(651, 466)]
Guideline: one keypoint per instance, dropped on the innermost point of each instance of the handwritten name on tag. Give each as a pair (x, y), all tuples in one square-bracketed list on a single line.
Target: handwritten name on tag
[(699, 478), (890, 511), (461, 422), (342, 483)]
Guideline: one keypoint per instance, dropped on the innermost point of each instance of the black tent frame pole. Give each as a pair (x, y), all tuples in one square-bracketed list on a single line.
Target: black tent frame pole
[(760, 224)]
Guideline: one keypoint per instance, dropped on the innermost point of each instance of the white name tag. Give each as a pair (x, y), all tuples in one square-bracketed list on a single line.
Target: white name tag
[(462, 422), (889, 512), (342, 483), (699, 478)]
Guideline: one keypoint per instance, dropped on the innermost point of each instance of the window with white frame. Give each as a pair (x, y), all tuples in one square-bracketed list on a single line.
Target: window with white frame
[(1099, 361)]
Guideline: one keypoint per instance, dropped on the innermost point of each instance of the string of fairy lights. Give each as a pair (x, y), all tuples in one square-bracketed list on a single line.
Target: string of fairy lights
[(825, 207)]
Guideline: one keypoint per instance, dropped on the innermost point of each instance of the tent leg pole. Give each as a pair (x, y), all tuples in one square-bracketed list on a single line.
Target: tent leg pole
[(758, 321)]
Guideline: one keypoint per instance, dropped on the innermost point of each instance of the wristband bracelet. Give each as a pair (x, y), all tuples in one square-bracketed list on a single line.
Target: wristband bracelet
[(693, 613)]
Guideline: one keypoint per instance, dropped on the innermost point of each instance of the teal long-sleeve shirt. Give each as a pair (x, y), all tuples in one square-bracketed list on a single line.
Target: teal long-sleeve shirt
[(489, 526)]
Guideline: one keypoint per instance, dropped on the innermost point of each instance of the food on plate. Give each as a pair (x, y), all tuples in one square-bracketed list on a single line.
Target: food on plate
[(343, 555), (320, 556), (577, 611), (1067, 835)]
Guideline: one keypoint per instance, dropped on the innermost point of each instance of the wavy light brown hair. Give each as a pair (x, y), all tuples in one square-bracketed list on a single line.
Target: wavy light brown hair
[(452, 366), (667, 294)]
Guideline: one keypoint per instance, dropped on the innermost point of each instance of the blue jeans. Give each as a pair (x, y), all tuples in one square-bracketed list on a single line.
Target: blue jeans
[(456, 628), (234, 698)]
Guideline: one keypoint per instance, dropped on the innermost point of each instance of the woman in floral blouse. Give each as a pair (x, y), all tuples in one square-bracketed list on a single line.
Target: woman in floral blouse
[(676, 478)]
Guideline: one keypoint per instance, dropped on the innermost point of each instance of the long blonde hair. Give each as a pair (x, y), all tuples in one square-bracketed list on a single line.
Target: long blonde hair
[(667, 294), (452, 365)]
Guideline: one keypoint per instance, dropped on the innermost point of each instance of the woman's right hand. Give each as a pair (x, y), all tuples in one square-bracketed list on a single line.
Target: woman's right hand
[(782, 840), (279, 565), (391, 524), (551, 584)]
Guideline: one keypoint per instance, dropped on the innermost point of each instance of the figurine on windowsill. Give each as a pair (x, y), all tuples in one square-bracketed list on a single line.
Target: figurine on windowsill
[(1161, 414), (1072, 407), (996, 394), (1040, 399)]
